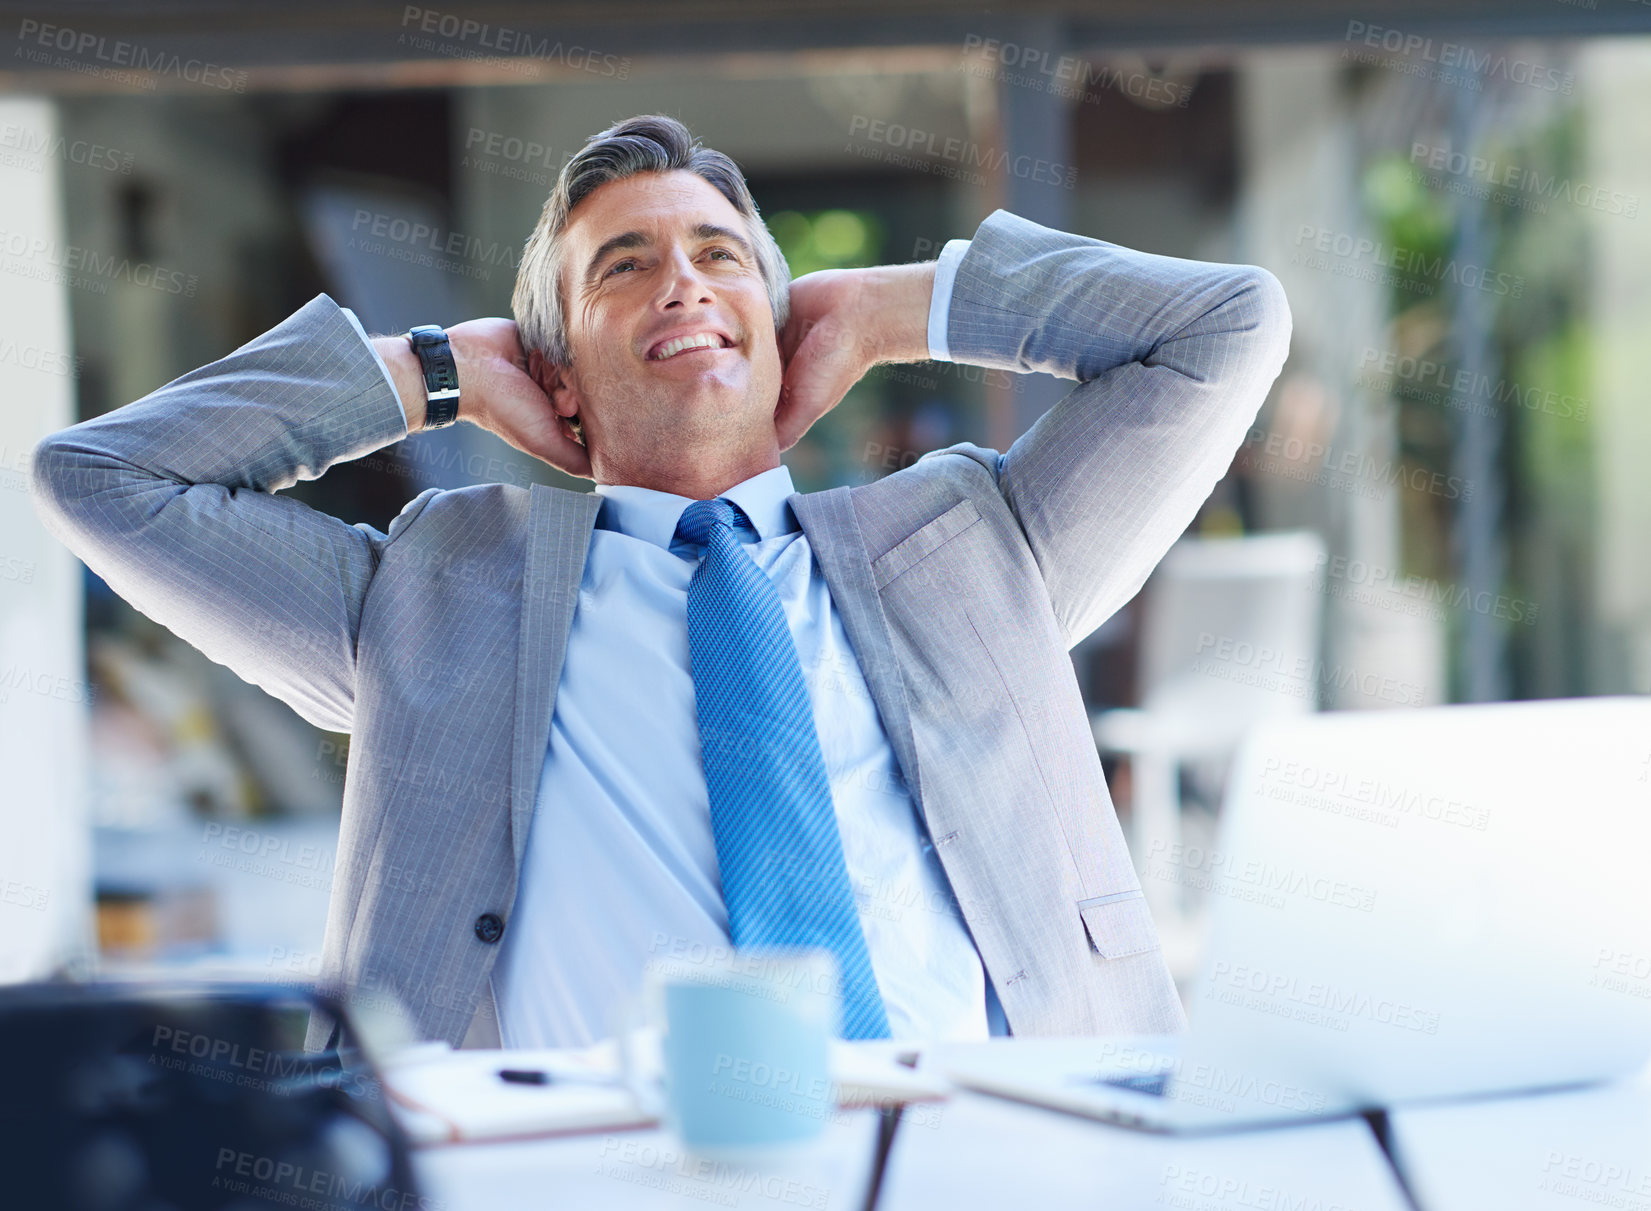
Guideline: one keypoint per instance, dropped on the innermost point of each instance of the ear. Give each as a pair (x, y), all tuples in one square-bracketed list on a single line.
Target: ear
[(554, 382)]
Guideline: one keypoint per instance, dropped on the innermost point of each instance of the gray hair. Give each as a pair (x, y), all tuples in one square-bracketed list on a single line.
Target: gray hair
[(647, 143)]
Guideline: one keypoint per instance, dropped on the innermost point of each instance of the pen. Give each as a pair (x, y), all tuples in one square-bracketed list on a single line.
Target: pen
[(535, 1076)]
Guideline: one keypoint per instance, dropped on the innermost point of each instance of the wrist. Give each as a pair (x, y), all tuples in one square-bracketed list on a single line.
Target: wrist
[(407, 375), (465, 361), (897, 300)]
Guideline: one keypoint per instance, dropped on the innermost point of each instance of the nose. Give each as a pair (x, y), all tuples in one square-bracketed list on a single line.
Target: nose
[(682, 285)]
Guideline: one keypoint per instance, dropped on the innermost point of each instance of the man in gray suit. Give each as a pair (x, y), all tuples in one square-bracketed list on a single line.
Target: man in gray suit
[(531, 811)]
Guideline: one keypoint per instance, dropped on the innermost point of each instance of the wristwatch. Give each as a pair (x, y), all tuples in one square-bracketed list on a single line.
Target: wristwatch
[(441, 375)]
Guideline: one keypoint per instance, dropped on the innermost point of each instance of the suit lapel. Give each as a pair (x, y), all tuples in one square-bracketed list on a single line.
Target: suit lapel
[(558, 541), (834, 536)]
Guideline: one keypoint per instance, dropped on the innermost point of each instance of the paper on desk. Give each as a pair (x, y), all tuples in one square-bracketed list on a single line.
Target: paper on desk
[(446, 1096), (871, 1074)]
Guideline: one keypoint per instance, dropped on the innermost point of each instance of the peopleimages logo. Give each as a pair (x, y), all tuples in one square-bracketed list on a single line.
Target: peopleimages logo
[(1373, 791), (500, 41), (1604, 1181), (682, 1173), (1066, 76), (35, 146), (419, 243), (27, 679), (283, 1182), (963, 153), (1502, 175), (1352, 466), (1272, 991), (1377, 260), (496, 154), (1213, 869), (1454, 387), (86, 50), (1373, 584), (1296, 676), (1451, 62), (47, 260)]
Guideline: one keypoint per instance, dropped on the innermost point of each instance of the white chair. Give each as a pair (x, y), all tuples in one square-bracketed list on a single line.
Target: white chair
[(1229, 636)]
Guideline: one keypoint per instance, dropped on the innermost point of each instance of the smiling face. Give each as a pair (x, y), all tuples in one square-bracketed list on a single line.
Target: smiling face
[(670, 327)]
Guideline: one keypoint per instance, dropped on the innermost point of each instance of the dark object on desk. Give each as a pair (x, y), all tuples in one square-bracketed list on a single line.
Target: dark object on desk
[(536, 1076), (191, 1098)]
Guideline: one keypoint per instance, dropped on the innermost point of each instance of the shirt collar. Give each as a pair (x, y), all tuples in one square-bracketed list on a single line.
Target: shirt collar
[(652, 516)]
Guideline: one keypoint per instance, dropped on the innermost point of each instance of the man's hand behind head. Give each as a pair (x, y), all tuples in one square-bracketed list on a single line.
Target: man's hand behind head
[(498, 393), (822, 348), (842, 323)]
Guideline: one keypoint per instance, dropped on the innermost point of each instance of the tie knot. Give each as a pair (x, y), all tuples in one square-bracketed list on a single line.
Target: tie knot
[(699, 518)]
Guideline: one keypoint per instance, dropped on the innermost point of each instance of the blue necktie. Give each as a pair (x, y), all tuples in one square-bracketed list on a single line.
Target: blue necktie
[(783, 876)]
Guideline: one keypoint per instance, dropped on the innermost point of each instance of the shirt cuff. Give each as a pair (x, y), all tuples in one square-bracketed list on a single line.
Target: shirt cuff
[(377, 357), (940, 305)]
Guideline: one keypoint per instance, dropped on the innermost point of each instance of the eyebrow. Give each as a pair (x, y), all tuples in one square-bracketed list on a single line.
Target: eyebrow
[(637, 239)]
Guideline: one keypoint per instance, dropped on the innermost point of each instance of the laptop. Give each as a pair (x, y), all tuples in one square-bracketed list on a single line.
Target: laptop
[(1405, 906)]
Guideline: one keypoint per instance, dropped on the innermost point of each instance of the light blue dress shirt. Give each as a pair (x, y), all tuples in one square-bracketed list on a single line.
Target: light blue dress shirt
[(621, 866)]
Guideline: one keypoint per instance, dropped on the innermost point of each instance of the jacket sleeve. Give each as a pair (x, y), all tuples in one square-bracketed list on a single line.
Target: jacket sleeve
[(171, 500), (1173, 358)]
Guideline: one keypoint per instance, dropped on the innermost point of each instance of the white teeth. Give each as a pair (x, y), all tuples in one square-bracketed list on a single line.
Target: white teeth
[(702, 340)]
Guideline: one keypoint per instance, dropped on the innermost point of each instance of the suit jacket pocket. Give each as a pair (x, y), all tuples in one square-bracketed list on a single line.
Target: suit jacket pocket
[(1118, 925), (923, 541)]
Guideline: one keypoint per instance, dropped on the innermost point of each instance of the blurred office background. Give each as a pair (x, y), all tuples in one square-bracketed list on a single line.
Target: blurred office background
[(1443, 498)]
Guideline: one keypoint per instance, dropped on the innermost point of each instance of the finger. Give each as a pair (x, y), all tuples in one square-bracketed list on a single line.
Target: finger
[(786, 431), (803, 402), (792, 336), (544, 435), (795, 383), (569, 454)]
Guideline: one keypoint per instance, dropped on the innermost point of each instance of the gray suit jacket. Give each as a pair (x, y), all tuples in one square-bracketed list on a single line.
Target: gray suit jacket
[(962, 582)]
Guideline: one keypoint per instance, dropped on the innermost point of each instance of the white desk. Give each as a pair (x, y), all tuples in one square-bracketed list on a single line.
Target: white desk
[(1558, 1151), (645, 1171), (979, 1151)]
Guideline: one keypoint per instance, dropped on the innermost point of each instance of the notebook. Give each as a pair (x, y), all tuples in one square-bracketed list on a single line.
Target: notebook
[(443, 1096)]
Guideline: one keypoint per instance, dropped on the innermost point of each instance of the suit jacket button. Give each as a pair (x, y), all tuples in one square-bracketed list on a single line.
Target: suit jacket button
[(489, 927)]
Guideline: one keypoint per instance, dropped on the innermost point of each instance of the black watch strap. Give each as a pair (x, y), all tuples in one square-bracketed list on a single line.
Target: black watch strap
[(441, 375)]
